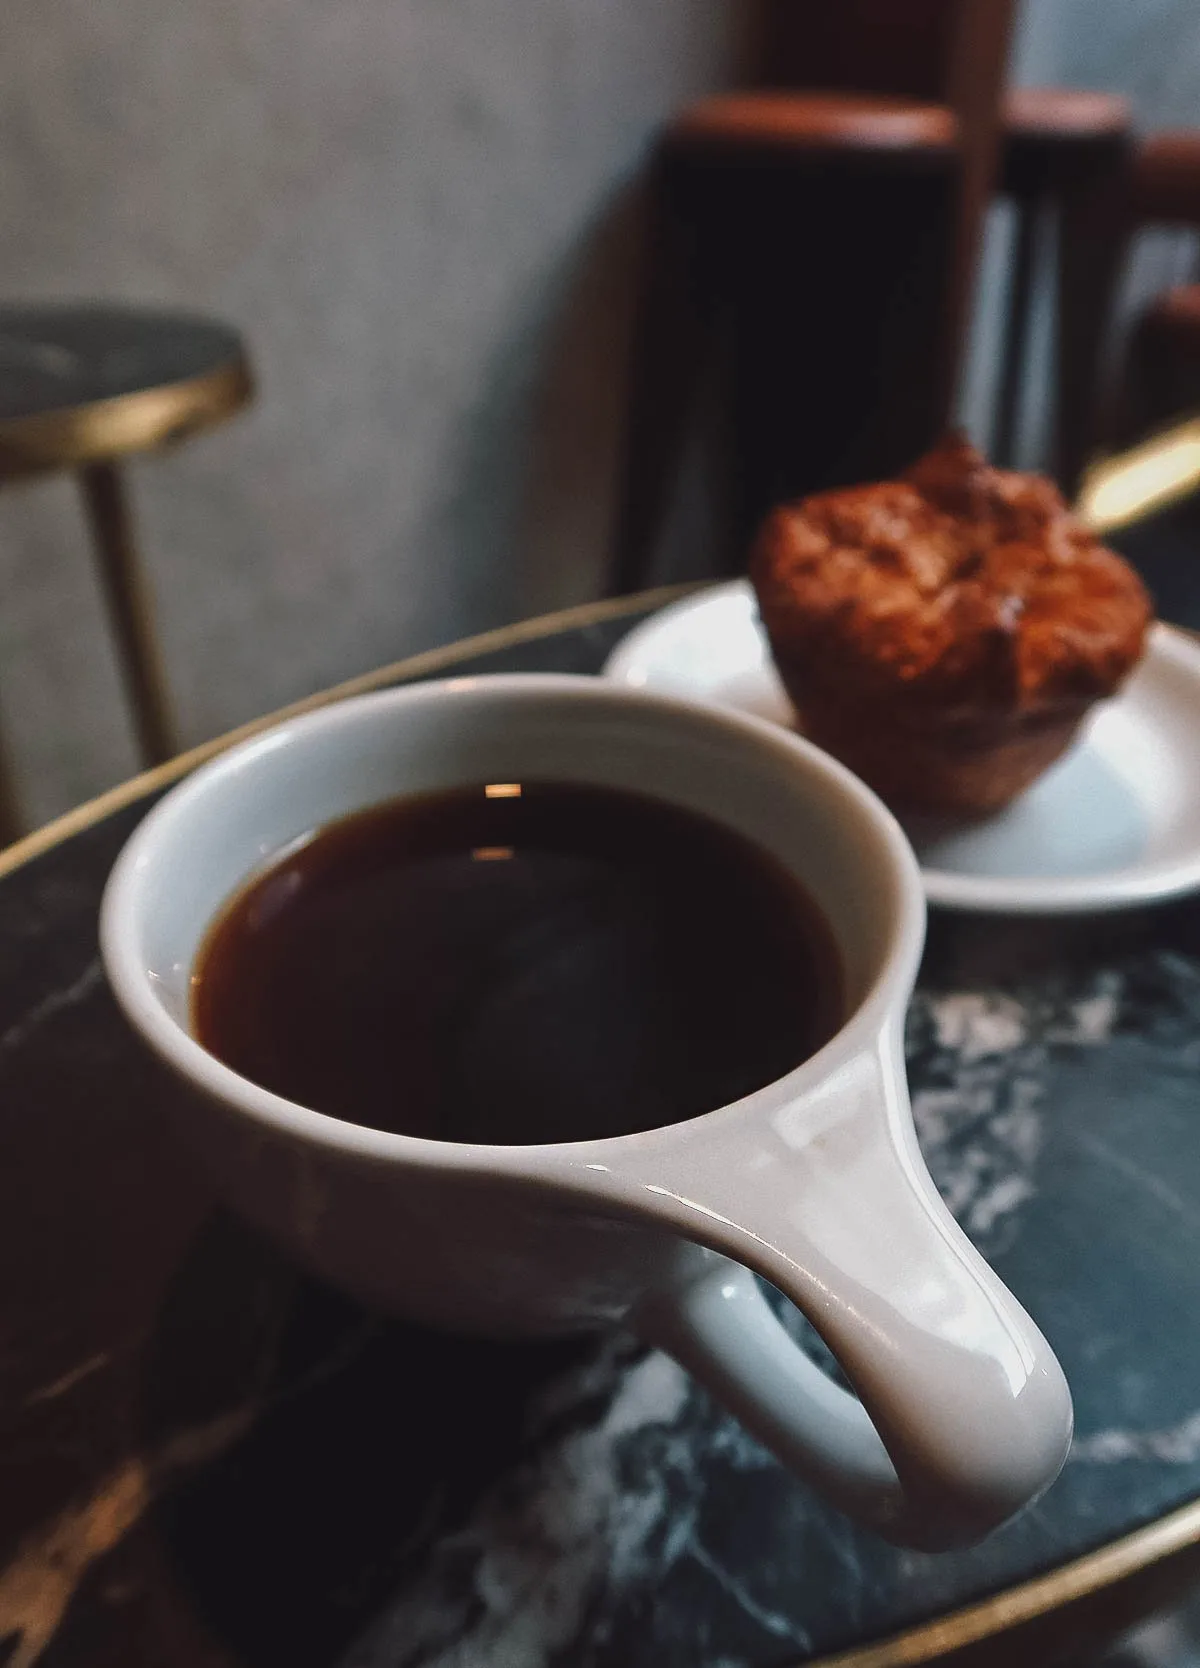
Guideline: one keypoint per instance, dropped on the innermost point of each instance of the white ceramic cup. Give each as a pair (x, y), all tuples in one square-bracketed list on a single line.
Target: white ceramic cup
[(962, 1414)]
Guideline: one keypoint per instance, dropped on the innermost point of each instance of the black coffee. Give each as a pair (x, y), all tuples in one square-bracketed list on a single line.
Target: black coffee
[(518, 963)]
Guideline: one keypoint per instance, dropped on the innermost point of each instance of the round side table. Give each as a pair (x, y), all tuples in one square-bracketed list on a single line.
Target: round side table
[(82, 387)]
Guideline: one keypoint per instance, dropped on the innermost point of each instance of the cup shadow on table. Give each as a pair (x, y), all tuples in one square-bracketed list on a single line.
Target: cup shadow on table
[(356, 1440)]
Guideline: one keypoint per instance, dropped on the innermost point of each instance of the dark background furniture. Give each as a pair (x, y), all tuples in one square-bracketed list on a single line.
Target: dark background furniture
[(811, 250), (1161, 373)]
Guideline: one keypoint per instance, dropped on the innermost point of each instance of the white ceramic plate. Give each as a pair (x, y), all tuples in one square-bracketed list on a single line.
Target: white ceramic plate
[(1113, 824)]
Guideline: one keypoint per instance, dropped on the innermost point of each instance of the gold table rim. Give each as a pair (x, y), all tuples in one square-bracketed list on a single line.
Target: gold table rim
[(1024, 1601), (446, 657)]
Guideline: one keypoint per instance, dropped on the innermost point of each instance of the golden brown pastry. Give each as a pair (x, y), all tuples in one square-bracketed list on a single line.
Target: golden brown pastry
[(944, 634)]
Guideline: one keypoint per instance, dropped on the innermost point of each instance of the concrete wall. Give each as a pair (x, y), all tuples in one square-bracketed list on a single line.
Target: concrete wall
[(420, 212)]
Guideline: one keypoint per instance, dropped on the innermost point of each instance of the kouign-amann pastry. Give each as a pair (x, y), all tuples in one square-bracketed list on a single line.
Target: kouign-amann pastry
[(944, 634)]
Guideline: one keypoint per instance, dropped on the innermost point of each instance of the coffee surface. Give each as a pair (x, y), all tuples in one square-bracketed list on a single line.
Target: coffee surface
[(518, 962)]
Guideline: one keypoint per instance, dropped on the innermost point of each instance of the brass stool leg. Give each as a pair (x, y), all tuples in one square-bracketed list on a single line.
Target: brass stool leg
[(129, 608), (11, 825)]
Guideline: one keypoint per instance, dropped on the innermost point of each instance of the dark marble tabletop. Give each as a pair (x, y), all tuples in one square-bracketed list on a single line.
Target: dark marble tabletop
[(208, 1459)]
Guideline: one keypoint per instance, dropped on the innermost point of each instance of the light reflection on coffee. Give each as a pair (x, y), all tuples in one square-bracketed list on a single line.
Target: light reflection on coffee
[(519, 962)]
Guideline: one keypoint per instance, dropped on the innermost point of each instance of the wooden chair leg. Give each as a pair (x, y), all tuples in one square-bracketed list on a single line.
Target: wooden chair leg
[(980, 36), (130, 609), (1015, 347), (1092, 246), (834, 355), (668, 350)]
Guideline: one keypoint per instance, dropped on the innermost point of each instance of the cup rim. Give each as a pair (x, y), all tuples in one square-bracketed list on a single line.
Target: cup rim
[(881, 1008)]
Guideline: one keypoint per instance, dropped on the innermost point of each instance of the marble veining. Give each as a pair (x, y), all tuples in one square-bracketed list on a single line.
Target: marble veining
[(39, 1583), (978, 1065), (578, 1520), (1176, 1445), (66, 1382), (67, 996)]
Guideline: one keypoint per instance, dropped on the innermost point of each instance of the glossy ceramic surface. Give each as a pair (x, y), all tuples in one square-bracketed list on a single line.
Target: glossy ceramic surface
[(815, 1182), (1115, 823)]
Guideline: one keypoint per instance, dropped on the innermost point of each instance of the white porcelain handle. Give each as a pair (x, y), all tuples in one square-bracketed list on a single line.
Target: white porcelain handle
[(962, 1414)]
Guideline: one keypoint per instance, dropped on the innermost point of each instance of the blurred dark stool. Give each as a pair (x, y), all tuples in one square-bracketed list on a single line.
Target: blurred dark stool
[(811, 251), (1161, 375), (1166, 178), (798, 249), (1065, 163), (948, 52), (82, 387)]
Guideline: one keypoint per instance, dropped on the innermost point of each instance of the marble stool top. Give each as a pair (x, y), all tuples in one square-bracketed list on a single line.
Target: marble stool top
[(81, 383)]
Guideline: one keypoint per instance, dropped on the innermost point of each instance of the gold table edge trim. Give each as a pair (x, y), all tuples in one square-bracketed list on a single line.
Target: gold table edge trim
[(126, 793), (1025, 1601), (1119, 490), (143, 421), (1028, 1601)]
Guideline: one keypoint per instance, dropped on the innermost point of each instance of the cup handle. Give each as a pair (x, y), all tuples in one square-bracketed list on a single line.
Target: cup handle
[(962, 1414)]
